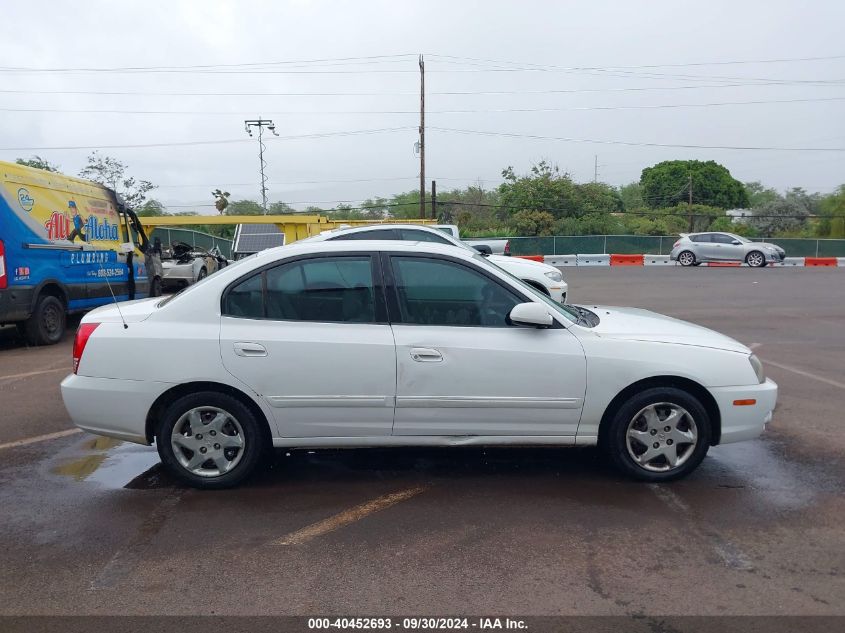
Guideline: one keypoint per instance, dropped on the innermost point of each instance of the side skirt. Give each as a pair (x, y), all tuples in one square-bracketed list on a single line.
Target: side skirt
[(433, 440)]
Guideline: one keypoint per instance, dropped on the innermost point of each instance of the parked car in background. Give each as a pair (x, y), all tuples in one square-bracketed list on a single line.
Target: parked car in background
[(338, 344), (694, 248), (486, 245), (545, 278), (184, 264)]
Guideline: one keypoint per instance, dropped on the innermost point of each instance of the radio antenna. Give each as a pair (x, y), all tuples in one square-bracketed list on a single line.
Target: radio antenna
[(116, 302)]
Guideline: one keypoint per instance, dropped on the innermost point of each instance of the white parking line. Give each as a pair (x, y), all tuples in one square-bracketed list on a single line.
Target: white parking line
[(35, 373), (801, 372), (348, 516), (40, 438)]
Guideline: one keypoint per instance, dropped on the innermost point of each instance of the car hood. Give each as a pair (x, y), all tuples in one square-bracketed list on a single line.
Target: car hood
[(636, 324), (518, 262), (130, 311)]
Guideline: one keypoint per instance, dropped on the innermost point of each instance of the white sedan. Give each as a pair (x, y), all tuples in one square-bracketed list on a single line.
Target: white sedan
[(545, 278), (390, 343)]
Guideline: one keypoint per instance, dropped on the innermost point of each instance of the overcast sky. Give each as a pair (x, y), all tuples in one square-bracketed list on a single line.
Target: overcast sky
[(591, 71)]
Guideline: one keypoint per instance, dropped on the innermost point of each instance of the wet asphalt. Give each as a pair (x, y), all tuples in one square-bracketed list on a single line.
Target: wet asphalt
[(94, 526)]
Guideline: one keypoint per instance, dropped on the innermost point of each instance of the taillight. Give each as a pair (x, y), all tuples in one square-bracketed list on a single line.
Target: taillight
[(507, 247), (82, 335), (4, 280), (675, 245)]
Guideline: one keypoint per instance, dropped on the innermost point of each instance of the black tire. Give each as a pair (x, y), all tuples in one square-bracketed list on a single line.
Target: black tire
[(155, 287), (255, 440), (46, 325), (614, 437), (758, 257), (688, 257), (202, 274), (696, 264)]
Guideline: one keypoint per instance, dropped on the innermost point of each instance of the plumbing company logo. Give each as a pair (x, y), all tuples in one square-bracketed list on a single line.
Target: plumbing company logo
[(70, 225), (25, 200)]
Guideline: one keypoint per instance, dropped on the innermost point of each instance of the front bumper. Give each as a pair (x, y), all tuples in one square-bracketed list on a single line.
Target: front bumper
[(745, 421)]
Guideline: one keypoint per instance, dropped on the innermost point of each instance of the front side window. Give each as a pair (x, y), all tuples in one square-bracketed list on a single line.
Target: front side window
[(328, 289), (441, 292), (723, 238)]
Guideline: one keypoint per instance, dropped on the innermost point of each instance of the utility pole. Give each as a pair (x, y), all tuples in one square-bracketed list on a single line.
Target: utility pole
[(433, 199), (689, 204), (261, 124), (422, 138)]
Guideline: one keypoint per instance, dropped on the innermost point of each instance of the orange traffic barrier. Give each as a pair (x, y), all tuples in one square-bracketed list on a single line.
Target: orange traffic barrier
[(724, 264), (626, 260), (820, 261), (533, 258)]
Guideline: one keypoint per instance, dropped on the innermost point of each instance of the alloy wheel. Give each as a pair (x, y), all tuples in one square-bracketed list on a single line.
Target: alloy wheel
[(754, 259), (686, 258), (661, 437)]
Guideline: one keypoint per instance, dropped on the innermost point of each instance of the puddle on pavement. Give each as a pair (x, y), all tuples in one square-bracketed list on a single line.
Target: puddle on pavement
[(112, 463)]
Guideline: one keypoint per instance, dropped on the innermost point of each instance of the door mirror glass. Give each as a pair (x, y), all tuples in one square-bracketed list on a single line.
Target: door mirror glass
[(736, 242), (531, 315), (484, 249)]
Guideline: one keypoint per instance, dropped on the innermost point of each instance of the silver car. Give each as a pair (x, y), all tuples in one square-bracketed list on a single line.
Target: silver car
[(694, 248)]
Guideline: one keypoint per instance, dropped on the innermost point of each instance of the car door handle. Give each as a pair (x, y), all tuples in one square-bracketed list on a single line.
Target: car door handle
[(250, 349), (426, 355)]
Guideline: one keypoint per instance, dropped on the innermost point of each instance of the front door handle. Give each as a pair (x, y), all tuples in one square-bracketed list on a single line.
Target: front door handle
[(243, 348), (426, 355)]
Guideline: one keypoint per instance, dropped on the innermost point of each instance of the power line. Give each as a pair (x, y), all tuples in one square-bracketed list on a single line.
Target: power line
[(210, 142), (442, 111), (636, 144)]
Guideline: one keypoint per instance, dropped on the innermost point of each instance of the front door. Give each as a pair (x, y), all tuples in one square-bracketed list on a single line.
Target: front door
[(463, 369), (311, 337)]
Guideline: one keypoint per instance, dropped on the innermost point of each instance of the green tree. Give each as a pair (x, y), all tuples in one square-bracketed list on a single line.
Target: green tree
[(280, 208), (832, 212), (150, 208), (668, 183), (597, 197), (632, 196), (787, 215), (38, 163), (545, 188), (533, 223), (110, 172), (244, 207), (758, 195), (221, 200)]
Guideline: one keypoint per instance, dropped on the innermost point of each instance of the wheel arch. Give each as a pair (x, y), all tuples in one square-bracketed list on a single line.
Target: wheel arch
[(685, 384), (52, 288), (174, 393)]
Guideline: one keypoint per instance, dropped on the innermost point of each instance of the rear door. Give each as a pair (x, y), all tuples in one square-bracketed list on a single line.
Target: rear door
[(311, 336)]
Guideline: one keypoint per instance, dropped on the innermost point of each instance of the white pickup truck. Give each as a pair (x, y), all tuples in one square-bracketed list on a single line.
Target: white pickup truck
[(497, 246)]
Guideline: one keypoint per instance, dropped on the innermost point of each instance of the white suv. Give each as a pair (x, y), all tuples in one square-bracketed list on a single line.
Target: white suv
[(543, 277)]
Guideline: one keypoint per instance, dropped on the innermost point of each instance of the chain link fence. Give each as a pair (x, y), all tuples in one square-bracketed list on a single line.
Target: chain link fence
[(194, 238), (654, 245)]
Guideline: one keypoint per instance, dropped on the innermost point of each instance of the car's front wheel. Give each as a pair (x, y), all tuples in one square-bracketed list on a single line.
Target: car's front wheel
[(210, 440), (755, 259), (660, 434), (686, 258)]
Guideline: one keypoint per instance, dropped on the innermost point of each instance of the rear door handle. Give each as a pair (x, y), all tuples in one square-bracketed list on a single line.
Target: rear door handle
[(426, 355), (243, 348)]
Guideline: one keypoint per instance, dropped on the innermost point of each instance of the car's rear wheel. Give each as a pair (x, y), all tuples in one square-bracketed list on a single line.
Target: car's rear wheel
[(46, 325), (755, 259), (658, 435), (210, 440), (686, 258)]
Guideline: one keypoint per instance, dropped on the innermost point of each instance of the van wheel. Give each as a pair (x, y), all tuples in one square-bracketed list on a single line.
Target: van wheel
[(46, 324), (658, 435), (210, 440)]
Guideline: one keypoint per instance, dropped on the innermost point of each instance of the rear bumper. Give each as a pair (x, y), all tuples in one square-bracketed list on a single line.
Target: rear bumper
[(15, 303), (745, 421), (110, 406)]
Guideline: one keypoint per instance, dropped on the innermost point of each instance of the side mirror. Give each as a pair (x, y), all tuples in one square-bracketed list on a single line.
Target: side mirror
[(531, 315), (736, 242), (484, 249)]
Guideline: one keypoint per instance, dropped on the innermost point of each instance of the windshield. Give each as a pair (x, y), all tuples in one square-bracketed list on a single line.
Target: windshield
[(567, 312)]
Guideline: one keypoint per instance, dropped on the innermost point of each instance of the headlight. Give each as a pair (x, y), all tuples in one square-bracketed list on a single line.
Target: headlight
[(758, 368), (554, 275)]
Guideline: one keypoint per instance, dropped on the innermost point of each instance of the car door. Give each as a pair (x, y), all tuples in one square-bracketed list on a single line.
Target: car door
[(727, 249), (462, 369), (311, 337), (704, 247)]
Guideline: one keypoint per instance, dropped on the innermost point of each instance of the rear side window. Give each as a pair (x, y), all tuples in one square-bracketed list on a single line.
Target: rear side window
[(704, 237), (328, 289), (413, 235)]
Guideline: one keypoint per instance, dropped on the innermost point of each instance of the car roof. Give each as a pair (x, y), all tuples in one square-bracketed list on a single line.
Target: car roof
[(304, 247), (369, 227)]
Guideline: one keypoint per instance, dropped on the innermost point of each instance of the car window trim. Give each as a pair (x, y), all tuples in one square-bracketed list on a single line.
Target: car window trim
[(393, 312), (381, 313)]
